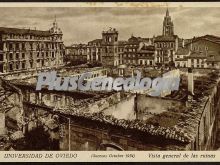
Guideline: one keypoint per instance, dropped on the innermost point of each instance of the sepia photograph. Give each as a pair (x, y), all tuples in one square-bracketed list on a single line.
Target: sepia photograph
[(110, 78)]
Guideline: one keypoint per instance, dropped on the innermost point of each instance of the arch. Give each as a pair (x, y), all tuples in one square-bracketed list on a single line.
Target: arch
[(112, 145)]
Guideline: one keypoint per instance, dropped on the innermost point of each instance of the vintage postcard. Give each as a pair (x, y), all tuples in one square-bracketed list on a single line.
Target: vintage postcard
[(110, 82)]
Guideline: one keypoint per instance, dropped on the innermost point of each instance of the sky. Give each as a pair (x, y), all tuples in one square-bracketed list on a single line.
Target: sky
[(83, 24)]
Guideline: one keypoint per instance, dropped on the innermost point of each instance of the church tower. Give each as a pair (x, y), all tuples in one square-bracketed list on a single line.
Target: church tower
[(168, 28), (57, 47)]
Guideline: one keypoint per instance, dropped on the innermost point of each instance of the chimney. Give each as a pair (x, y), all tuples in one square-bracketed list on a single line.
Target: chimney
[(190, 81)]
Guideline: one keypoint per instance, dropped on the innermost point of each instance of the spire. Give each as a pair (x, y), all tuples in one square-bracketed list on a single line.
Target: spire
[(55, 21), (167, 12), (55, 29), (168, 28)]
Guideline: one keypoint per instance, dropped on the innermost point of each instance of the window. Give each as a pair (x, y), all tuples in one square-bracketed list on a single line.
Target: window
[(23, 65), (1, 57), (38, 47), (10, 67), (10, 46), (141, 62), (1, 68), (17, 66), (23, 55), (17, 56), (17, 46), (31, 45), (31, 64), (23, 46), (10, 56)]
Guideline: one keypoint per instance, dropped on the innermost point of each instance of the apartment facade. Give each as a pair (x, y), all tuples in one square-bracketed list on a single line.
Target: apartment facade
[(26, 49)]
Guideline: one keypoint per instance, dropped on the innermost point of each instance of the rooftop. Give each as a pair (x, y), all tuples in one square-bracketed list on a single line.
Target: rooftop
[(165, 38), (6, 30), (197, 55), (211, 38), (182, 51)]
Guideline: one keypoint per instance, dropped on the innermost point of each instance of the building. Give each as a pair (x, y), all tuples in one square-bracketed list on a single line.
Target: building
[(213, 60), (197, 60), (181, 57), (166, 44), (121, 49), (208, 47), (199, 52), (26, 49), (129, 56), (77, 52), (145, 55), (134, 50), (94, 50), (110, 55)]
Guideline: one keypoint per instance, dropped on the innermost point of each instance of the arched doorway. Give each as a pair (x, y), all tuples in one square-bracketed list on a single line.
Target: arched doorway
[(110, 147)]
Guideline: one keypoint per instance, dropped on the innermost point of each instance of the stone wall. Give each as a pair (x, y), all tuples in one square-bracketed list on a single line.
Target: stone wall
[(2, 123)]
